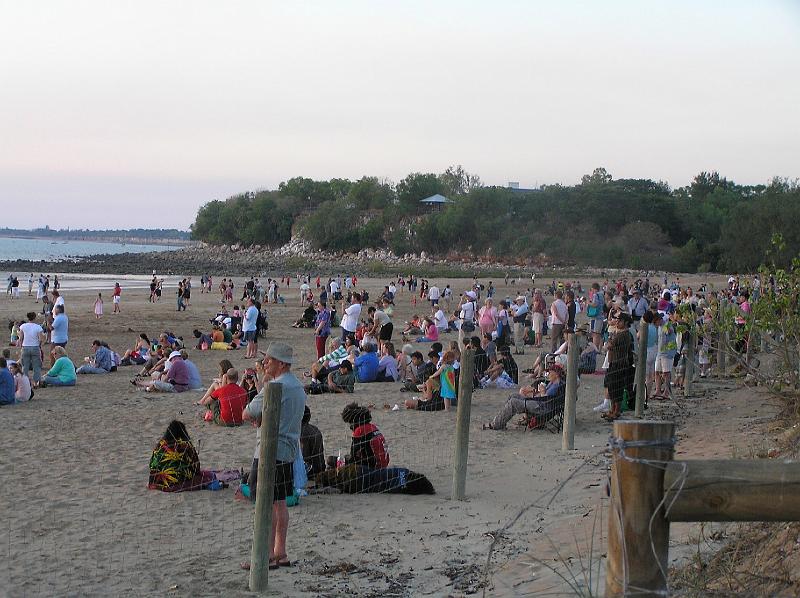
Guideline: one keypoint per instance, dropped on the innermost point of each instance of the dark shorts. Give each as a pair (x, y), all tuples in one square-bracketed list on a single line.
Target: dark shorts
[(386, 332), (64, 344), (250, 336), (284, 480)]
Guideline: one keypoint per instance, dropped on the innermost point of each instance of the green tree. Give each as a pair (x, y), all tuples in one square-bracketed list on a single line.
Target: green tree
[(599, 176), (416, 187)]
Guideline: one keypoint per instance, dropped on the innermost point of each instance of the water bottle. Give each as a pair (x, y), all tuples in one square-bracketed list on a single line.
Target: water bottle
[(339, 460)]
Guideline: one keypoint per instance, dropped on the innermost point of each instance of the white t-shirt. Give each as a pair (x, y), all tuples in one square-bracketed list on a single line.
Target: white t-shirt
[(304, 288), (59, 301), (559, 311), (468, 311), (334, 287), (434, 293), (440, 320), (30, 334), (250, 319), (351, 316)]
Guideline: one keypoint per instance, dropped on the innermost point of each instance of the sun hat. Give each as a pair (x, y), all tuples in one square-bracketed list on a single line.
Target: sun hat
[(471, 294), (280, 352), (174, 354), (520, 298)]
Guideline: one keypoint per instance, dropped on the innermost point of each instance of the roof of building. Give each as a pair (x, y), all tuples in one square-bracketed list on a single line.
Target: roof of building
[(433, 199)]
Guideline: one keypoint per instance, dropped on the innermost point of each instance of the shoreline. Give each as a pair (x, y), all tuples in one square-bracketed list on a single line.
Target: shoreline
[(296, 256)]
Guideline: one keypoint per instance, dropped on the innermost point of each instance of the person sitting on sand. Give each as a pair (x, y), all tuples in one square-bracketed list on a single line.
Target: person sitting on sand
[(504, 373), (224, 366), (312, 446), (22, 384), (174, 379), (307, 319), (195, 380), (431, 332), (413, 326), (533, 401), (366, 364), (439, 389), (63, 371), (226, 403), (340, 380), (368, 448), (331, 360), (174, 464), (406, 368), (102, 362), (155, 363), (8, 387), (140, 352), (387, 365)]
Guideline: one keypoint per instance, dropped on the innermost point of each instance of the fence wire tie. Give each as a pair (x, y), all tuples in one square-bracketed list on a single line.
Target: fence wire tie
[(622, 444)]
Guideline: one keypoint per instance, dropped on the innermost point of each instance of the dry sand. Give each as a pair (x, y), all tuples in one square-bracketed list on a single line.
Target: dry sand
[(78, 519)]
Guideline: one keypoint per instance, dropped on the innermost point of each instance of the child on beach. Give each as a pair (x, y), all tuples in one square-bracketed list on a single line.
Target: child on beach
[(98, 306), (116, 297)]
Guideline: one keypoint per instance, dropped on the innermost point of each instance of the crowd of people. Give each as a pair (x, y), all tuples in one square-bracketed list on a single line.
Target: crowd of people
[(426, 364)]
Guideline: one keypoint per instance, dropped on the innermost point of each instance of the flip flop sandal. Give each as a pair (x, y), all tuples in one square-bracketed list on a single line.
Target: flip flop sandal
[(272, 565)]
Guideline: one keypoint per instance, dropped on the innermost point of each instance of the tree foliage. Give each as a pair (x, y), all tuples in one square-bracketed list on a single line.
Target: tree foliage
[(711, 224)]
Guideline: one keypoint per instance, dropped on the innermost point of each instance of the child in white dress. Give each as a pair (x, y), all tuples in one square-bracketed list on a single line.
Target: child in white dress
[(98, 306)]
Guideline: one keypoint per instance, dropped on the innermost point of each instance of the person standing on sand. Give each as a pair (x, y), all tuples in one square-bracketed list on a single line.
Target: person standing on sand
[(30, 284), (32, 336), (98, 306), (249, 329), (276, 367), (116, 297)]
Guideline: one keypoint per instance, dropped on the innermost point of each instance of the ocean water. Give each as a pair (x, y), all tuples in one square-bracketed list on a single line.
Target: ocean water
[(12, 248)]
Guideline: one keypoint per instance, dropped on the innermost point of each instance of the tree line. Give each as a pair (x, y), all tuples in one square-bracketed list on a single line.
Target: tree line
[(712, 224)]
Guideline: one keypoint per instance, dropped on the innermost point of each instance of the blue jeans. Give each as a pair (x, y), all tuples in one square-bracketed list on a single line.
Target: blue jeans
[(32, 359), (89, 369), (54, 381)]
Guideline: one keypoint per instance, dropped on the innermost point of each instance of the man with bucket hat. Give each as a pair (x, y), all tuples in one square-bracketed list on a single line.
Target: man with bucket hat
[(276, 367)]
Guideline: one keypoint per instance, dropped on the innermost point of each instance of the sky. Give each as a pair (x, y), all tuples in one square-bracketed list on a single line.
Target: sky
[(134, 114)]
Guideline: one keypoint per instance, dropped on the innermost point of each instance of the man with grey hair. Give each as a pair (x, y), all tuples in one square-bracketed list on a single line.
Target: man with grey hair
[(277, 367)]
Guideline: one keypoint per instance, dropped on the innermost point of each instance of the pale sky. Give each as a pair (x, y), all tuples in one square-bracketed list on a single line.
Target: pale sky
[(123, 114)]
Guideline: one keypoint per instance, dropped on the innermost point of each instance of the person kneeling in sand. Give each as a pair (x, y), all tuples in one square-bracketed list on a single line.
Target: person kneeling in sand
[(226, 403)]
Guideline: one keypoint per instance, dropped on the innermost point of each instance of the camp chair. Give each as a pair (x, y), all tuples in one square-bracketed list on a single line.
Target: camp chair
[(548, 415)]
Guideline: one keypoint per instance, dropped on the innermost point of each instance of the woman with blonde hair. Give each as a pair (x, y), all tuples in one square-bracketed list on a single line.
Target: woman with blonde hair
[(63, 371)]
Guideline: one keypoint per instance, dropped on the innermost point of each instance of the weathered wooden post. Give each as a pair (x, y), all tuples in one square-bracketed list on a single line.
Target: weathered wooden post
[(268, 452), (722, 347), (571, 397), (461, 450), (688, 376), (641, 369), (638, 531)]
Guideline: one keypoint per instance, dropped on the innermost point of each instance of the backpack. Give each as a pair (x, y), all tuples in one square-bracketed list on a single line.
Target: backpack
[(377, 443)]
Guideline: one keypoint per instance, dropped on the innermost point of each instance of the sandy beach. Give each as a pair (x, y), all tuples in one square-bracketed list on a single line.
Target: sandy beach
[(78, 519)]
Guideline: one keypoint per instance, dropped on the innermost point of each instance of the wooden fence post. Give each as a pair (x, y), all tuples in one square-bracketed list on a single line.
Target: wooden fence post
[(688, 375), (637, 549), (461, 450), (641, 369), (571, 396), (268, 452), (722, 345)]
